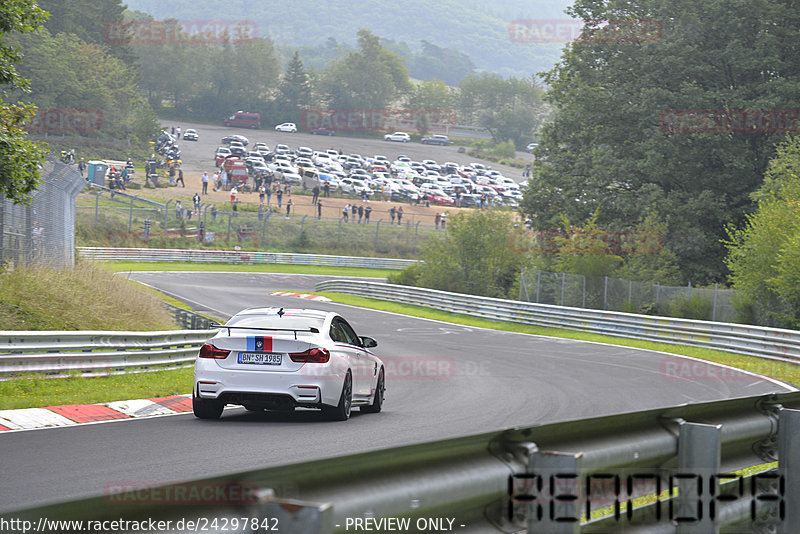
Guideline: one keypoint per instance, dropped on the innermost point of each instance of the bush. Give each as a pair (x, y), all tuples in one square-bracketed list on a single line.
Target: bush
[(407, 277), (692, 307)]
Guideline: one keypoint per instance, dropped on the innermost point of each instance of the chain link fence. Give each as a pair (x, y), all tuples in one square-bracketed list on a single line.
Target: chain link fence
[(42, 232), (121, 220), (617, 294)]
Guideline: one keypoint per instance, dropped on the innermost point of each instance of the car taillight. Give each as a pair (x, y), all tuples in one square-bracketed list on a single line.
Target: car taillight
[(210, 351), (315, 355)]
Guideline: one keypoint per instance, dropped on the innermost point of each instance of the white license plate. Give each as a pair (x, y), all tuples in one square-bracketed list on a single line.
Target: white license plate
[(260, 358)]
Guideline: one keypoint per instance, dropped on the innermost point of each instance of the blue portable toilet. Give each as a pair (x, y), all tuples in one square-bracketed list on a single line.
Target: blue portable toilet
[(96, 172)]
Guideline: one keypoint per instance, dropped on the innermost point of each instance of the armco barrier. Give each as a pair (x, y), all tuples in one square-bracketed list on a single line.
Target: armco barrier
[(540, 478), (87, 352), (237, 256), (772, 343)]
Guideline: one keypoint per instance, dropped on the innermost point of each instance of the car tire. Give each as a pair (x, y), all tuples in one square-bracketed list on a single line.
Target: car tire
[(206, 408), (380, 392), (341, 412)]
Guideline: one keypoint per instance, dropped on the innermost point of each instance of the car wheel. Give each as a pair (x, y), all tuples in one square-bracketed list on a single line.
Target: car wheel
[(341, 412), (380, 392), (206, 408)]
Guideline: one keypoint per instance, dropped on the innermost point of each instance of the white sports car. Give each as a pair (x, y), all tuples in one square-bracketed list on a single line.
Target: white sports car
[(279, 359)]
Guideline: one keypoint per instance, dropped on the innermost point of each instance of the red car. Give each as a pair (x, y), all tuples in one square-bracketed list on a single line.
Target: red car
[(440, 199)]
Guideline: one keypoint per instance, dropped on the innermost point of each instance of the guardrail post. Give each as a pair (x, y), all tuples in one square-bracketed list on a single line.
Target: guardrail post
[(377, 230), (789, 468), (538, 283), (563, 283), (698, 463), (605, 293), (557, 486)]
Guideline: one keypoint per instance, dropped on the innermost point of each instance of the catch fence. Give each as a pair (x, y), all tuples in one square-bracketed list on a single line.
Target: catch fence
[(42, 232), (617, 294)]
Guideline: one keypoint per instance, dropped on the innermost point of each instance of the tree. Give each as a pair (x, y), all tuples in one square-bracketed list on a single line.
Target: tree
[(369, 78), (510, 109), (19, 156), (431, 102), (764, 254), (295, 88), (608, 146), (480, 254)]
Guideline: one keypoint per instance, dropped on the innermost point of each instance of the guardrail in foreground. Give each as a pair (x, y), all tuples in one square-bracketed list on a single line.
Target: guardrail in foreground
[(237, 256), (772, 343), (542, 478), (89, 352)]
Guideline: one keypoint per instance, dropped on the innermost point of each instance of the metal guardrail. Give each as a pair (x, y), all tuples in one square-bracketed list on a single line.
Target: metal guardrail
[(771, 343), (90, 352), (237, 256), (541, 478), (117, 192)]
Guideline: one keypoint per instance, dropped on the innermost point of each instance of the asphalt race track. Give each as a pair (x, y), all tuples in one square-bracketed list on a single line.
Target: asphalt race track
[(443, 381)]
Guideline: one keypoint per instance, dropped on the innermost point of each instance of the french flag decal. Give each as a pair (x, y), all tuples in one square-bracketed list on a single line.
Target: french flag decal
[(259, 343)]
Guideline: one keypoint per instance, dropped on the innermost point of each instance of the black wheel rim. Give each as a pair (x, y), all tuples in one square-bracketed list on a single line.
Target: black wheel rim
[(348, 395)]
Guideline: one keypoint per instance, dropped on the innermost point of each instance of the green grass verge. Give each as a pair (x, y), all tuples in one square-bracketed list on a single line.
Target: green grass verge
[(260, 268), (787, 372), (33, 392)]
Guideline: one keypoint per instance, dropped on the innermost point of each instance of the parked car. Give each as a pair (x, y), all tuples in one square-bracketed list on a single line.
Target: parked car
[(322, 131), (400, 137), (436, 139), (286, 127), (279, 359), (282, 149), (222, 153), (190, 135), (228, 139), (245, 119)]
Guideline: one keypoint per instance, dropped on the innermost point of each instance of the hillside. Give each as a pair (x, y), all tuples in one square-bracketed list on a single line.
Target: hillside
[(476, 28)]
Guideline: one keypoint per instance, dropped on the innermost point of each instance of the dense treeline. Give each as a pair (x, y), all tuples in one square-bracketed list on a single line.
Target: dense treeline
[(646, 124)]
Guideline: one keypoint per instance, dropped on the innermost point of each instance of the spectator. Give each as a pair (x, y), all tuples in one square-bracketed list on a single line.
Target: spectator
[(82, 167), (327, 189), (180, 177), (279, 195), (319, 209), (261, 193), (315, 196), (437, 219), (172, 175), (354, 211), (360, 213), (147, 228), (204, 179), (196, 199), (234, 193), (261, 211), (269, 194), (399, 215), (346, 212), (367, 211), (178, 210), (444, 219), (288, 207), (213, 213), (392, 213)]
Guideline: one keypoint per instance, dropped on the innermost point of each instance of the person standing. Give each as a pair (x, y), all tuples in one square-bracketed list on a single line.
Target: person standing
[(172, 175), (147, 228), (196, 199), (261, 193), (437, 219), (360, 213), (261, 211), (319, 209), (82, 167), (346, 212), (180, 177), (444, 219), (234, 192), (392, 213), (399, 215), (279, 195), (367, 211), (204, 179), (178, 210), (288, 207), (354, 211), (327, 189), (315, 196)]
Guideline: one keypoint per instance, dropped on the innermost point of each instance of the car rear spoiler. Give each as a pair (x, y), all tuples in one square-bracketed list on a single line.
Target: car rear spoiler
[(295, 330)]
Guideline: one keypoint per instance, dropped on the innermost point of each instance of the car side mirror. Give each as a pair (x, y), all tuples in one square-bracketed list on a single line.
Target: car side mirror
[(368, 342)]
